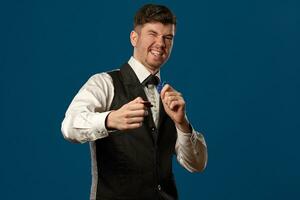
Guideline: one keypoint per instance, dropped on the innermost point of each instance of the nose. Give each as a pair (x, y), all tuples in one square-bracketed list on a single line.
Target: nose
[(160, 41)]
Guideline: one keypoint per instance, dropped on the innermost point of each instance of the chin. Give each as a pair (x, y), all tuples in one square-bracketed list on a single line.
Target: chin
[(156, 65)]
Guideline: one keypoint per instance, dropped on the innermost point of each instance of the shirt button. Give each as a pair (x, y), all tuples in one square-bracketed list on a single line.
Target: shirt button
[(159, 187), (103, 132)]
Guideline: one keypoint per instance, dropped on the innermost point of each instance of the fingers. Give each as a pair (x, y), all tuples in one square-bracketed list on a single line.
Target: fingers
[(178, 103), (136, 106), (174, 101), (137, 113), (136, 100), (131, 115), (134, 120), (166, 88), (132, 126), (172, 98), (130, 120), (138, 103), (174, 92)]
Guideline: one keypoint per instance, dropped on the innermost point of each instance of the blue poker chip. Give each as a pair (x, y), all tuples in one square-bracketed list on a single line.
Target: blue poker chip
[(160, 86)]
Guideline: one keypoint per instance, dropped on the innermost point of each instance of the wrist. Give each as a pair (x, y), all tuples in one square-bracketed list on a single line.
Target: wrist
[(109, 124), (185, 126)]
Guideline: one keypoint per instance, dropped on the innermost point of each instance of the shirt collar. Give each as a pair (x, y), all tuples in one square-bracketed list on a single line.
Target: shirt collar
[(140, 70)]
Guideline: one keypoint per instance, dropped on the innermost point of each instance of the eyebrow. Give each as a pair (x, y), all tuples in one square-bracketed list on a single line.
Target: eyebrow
[(152, 31)]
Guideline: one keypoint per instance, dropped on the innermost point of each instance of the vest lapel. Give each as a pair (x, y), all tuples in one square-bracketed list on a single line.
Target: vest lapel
[(135, 89), (162, 113)]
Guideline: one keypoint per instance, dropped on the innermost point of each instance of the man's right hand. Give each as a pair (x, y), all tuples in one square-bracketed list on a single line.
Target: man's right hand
[(129, 116)]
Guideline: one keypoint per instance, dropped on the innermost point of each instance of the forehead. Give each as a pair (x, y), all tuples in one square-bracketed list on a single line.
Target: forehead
[(164, 29)]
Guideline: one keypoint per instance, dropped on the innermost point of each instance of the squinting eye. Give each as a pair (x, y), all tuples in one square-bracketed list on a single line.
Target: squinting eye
[(169, 38)]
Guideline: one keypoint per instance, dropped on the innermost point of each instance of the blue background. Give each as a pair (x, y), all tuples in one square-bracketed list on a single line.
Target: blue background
[(237, 63)]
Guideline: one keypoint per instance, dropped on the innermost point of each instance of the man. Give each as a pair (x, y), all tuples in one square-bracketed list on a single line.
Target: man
[(133, 130)]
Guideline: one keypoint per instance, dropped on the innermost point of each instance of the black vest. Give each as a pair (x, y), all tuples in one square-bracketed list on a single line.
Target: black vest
[(136, 164)]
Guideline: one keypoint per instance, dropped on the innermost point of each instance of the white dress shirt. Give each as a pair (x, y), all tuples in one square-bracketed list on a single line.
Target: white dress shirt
[(85, 119)]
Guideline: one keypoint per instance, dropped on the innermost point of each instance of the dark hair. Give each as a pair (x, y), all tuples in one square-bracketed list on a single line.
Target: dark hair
[(154, 13)]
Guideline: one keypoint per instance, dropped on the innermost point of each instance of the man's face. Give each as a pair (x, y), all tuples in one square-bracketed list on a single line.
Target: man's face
[(153, 44)]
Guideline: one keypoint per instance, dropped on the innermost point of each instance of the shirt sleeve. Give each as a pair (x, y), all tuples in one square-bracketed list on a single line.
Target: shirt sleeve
[(85, 118), (191, 150)]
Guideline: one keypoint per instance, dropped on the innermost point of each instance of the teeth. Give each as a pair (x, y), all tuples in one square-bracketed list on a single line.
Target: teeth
[(156, 53)]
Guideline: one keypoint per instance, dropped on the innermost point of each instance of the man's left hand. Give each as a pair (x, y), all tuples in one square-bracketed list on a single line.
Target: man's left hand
[(174, 105)]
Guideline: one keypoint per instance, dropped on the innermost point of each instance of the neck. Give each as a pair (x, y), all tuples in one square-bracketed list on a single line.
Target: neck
[(147, 67)]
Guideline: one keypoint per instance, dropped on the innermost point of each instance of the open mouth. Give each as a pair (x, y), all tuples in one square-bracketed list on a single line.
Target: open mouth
[(156, 53)]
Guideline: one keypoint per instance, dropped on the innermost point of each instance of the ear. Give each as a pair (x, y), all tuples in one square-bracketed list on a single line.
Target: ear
[(133, 38)]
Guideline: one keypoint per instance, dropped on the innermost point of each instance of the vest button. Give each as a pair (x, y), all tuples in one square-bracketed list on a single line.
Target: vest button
[(159, 187), (153, 130)]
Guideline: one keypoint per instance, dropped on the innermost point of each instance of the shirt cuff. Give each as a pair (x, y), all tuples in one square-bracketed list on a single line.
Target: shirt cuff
[(184, 138), (99, 129)]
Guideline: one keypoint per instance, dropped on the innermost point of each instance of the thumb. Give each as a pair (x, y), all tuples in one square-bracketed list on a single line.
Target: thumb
[(137, 100)]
